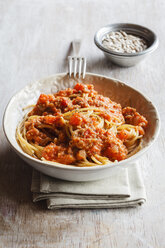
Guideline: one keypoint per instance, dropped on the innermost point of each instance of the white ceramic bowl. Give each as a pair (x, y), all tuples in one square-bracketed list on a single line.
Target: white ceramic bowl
[(116, 90)]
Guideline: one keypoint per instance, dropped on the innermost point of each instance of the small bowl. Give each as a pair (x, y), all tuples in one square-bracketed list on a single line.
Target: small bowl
[(126, 59)]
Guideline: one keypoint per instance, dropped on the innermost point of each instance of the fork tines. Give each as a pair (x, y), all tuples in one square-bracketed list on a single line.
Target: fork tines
[(77, 65)]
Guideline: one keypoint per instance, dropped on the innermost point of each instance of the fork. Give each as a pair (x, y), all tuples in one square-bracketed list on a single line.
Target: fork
[(76, 64)]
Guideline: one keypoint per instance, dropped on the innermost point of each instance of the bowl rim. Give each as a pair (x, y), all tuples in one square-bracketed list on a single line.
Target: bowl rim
[(148, 50), (71, 167)]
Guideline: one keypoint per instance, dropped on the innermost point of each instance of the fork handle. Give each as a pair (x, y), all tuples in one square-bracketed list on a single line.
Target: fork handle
[(76, 47)]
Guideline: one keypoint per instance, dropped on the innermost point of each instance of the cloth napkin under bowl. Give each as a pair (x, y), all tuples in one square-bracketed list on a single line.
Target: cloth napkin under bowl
[(123, 189)]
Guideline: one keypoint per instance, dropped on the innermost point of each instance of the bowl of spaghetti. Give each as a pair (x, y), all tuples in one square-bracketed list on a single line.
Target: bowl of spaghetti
[(80, 130)]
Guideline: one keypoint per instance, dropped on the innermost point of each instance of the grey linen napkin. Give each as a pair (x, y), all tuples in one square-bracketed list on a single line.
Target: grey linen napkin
[(123, 189)]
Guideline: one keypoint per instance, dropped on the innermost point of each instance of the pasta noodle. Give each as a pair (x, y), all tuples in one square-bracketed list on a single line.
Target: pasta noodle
[(80, 127)]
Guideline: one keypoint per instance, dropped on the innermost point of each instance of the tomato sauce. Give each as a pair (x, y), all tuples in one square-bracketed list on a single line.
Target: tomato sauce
[(50, 128)]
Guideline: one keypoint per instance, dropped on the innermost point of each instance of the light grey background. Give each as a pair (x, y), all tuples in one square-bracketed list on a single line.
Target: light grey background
[(35, 36)]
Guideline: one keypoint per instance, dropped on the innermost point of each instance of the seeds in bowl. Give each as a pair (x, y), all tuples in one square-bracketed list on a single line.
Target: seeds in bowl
[(122, 42)]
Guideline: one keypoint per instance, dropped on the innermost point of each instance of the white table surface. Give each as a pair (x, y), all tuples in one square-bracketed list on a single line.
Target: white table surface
[(35, 36)]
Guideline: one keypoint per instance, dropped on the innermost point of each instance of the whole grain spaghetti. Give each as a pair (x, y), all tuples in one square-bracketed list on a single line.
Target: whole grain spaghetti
[(80, 127)]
